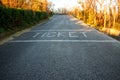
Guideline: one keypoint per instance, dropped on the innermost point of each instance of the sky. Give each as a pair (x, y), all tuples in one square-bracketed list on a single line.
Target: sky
[(71, 3), (64, 3)]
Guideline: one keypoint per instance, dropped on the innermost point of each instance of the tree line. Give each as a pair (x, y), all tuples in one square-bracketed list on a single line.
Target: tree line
[(103, 14), (36, 5), (19, 14)]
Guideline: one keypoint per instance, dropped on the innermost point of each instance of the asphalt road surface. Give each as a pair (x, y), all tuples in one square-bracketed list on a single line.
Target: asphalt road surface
[(63, 48)]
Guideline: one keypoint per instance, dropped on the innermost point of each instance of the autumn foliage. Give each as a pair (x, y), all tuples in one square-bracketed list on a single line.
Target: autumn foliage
[(17, 14), (35, 5), (102, 14)]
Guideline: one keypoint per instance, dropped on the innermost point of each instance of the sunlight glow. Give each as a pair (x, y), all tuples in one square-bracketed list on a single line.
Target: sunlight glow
[(64, 3)]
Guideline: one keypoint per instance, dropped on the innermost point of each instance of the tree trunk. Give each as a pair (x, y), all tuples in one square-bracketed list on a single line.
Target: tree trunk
[(114, 17), (110, 17), (119, 11), (105, 17)]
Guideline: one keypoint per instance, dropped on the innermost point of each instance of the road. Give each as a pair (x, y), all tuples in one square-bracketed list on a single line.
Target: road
[(62, 48)]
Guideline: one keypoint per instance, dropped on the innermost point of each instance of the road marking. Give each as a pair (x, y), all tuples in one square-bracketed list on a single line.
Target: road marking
[(36, 35), (77, 30), (71, 34), (84, 34), (80, 41), (51, 34), (44, 34), (60, 34)]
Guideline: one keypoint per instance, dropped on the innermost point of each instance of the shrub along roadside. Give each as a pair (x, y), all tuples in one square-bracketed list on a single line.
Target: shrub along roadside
[(12, 20)]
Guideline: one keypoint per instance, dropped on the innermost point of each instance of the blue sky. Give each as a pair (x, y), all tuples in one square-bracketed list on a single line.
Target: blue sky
[(64, 3)]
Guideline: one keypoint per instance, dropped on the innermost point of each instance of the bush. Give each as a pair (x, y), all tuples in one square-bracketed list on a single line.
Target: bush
[(12, 19)]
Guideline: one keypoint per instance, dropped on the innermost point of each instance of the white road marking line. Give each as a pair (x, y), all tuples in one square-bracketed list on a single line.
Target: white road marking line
[(36, 35), (80, 41), (84, 34), (61, 30)]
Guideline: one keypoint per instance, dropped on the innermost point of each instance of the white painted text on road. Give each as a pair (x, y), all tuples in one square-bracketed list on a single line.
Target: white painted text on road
[(52, 34)]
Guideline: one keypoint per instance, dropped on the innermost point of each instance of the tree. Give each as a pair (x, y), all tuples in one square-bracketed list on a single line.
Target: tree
[(44, 5), (114, 16), (51, 6), (100, 15), (83, 5), (119, 11), (0, 3), (35, 5), (13, 3)]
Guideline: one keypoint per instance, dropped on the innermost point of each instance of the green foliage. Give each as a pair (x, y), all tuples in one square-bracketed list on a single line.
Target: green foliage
[(2, 30), (12, 19)]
